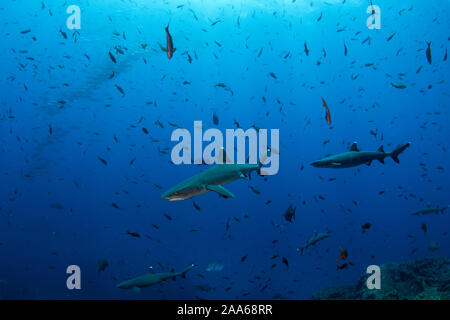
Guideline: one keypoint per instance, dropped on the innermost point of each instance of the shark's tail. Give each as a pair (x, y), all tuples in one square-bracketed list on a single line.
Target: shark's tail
[(394, 154), (183, 273)]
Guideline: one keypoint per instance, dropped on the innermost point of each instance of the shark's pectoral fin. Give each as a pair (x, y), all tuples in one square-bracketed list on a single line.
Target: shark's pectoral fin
[(381, 160), (136, 289), (220, 190)]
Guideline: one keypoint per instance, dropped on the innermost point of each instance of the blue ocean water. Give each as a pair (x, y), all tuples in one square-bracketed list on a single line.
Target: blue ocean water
[(78, 170)]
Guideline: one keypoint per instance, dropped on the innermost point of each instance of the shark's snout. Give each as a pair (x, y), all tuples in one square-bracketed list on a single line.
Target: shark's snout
[(317, 164)]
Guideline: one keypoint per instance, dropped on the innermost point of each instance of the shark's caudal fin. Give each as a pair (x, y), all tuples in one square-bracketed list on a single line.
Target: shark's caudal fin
[(394, 154), (183, 273)]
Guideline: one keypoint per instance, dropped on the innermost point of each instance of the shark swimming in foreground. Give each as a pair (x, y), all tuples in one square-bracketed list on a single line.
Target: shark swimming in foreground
[(354, 157), (151, 279), (212, 179)]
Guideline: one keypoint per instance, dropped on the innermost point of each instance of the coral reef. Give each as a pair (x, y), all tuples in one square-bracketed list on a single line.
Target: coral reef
[(424, 279)]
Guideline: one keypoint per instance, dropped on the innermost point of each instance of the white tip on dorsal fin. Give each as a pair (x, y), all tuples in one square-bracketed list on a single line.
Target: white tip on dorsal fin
[(150, 270), (354, 147), (222, 157)]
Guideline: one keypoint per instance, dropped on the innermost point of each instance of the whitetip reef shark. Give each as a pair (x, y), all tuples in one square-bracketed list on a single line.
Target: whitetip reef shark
[(313, 240), (152, 278), (354, 157), (213, 179)]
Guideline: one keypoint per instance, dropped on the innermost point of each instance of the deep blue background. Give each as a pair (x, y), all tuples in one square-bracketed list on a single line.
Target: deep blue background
[(38, 170)]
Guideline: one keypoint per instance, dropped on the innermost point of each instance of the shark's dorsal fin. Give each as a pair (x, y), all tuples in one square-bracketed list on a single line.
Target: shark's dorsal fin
[(150, 270), (381, 149), (222, 156), (354, 147)]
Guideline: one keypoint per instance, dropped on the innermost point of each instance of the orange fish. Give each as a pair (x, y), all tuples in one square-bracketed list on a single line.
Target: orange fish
[(327, 115), (170, 49), (343, 256)]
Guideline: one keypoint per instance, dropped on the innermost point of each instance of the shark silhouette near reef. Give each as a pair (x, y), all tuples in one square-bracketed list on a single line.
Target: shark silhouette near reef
[(151, 279), (354, 157)]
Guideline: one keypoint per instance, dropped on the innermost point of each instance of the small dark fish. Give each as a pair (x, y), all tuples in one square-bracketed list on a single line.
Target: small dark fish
[(341, 267), (366, 226), (120, 89), (115, 206), (244, 257), (133, 234), (111, 56), (429, 53), (103, 161), (327, 111), (391, 36), (285, 262), (63, 34), (260, 52), (255, 191), (215, 119), (445, 56), (306, 49), (170, 49), (101, 265), (145, 130), (290, 213), (196, 206), (424, 227), (50, 129), (168, 217), (398, 85), (345, 50), (273, 75)]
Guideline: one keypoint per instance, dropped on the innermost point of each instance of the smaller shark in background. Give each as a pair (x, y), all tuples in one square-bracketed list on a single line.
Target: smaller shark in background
[(354, 157), (212, 179), (429, 210), (314, 239), (151, 278)]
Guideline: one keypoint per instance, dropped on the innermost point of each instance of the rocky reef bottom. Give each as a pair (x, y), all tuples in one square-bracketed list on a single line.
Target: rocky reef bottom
[(424, 279)]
